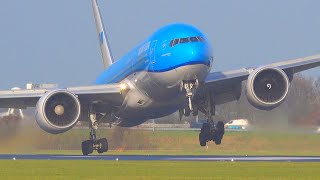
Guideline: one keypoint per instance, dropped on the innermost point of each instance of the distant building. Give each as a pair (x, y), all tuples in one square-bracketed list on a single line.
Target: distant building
[(41, 86)]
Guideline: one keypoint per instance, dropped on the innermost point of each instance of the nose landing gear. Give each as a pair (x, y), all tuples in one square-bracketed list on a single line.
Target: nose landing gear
[(101, 145), (190, 87)]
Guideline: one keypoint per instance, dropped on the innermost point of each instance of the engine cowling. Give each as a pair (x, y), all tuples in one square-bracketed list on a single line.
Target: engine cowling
[(57, 111), (267, 87)]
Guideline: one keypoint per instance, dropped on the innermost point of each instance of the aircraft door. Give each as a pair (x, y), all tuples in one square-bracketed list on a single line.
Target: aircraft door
[(152, 54)]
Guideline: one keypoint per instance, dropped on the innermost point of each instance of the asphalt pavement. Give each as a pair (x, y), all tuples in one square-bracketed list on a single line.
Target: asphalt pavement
[(160, 158)]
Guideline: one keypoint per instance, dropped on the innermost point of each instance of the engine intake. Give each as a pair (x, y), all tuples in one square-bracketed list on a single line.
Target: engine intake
[(58, 111), (267, 87)]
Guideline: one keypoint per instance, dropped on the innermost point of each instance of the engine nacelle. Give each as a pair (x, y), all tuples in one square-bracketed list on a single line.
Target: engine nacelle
[(267, 87), (57, 111)]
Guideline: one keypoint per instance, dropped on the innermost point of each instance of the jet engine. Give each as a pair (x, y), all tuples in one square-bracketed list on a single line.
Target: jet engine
[(267, 87), (57, 111)]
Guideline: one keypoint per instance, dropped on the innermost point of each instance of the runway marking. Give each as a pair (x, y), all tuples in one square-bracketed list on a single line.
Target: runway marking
[(250, 159), (162, 158)]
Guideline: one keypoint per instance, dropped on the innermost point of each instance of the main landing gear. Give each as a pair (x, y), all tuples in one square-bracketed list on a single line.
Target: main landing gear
[(211, 131), (101, 145)]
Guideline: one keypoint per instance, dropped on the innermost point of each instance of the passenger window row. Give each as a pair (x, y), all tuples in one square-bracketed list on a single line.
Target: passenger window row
[(186, 40)]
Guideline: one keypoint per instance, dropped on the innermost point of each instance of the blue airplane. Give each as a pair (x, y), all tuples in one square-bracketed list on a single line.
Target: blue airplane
[(168, 72)]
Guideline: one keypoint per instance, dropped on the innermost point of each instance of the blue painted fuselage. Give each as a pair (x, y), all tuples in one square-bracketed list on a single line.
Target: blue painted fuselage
[(156, 68)]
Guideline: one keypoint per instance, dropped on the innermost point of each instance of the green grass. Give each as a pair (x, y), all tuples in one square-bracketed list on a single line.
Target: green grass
[(162, 142), (156, 170)]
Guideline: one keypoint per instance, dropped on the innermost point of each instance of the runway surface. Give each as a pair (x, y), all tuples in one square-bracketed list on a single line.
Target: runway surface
[(160, 158)]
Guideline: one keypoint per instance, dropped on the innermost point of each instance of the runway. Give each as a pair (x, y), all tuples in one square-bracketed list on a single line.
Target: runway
[(160, 158)]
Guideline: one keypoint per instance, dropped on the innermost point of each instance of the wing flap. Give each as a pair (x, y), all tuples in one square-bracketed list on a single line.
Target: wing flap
[(230, 76), (110, 93), (299, 64), (294, 65), (21, 99)]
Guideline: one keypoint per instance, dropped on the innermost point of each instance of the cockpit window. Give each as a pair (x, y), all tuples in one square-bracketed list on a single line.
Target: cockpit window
[(201, 39), (194, 39), (186, 40), (174, 42)]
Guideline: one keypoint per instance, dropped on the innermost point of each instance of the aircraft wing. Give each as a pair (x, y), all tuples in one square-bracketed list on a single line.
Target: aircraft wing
[(21, 99), (227, 82)]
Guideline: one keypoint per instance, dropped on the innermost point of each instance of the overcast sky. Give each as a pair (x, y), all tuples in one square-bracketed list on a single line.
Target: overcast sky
[(55, 41)]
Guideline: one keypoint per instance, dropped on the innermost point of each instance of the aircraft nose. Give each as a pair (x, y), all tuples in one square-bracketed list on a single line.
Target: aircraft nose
[(198, 54), (197, 58)]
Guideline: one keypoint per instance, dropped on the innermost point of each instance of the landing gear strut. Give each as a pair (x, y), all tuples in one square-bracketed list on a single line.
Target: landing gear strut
[(210, 130), (101, 145), (189, 86)]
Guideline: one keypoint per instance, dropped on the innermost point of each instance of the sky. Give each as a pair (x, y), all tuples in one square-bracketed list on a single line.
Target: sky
[(56, 41)]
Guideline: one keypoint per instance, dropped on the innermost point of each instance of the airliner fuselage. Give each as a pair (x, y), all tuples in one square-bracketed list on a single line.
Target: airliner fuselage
[(155, 70)]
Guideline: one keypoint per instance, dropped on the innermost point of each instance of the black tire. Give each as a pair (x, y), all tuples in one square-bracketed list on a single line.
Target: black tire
[(205, 129), (220, 127), (219, 133), (202, 140), (217, 140), (87, 147), (103, 145)]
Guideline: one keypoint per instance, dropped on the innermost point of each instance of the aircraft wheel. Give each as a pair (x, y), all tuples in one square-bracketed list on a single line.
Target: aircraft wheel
[(103, 145), (205, 129), (87, 147), (219, 133), (202, 140), (217, 140), (220, 127)]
